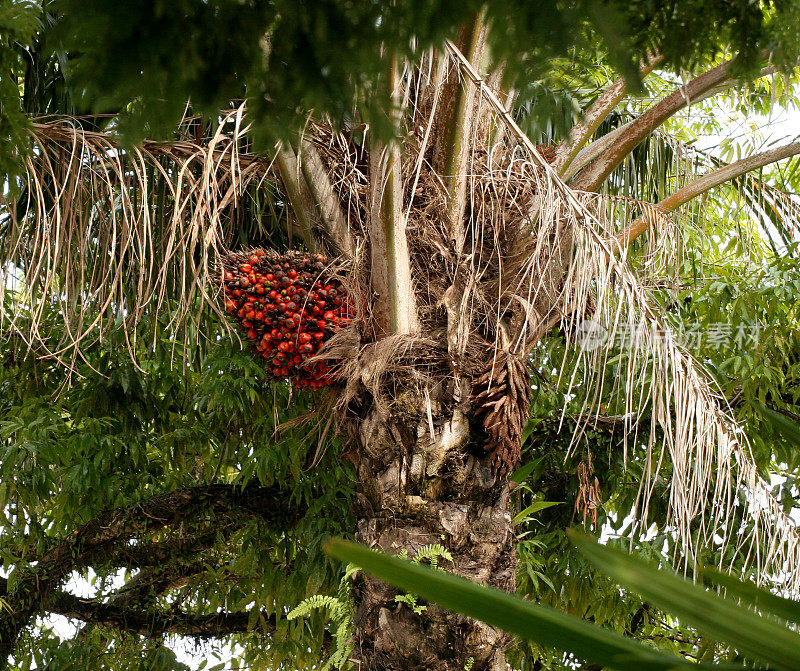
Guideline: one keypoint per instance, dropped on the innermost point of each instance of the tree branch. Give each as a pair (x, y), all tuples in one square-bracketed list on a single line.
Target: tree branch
[(188, 542), (140, 592), (144, 555), (705, 183), (156, 623), (97, 538), (151, 583), (594, 115), (598, 160)]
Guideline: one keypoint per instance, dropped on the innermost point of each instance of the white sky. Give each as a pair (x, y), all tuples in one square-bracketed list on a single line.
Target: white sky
[(781, 127)]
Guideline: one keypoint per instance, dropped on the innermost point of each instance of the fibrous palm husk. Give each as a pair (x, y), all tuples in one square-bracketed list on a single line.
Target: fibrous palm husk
[(501, 401)]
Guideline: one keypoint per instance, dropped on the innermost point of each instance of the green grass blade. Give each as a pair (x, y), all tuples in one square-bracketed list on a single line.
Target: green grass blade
[(716, 617), (765, 601), (781, 424), (527, 620)]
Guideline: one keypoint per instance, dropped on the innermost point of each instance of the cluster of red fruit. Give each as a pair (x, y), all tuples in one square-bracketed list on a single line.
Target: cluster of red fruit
[(287, 310)]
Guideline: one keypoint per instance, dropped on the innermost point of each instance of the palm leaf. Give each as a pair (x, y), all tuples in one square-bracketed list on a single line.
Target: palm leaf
[(718, 618), (766, 602), (529, 621)]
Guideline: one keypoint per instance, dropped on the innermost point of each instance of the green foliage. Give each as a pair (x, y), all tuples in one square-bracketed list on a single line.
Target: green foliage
[(288, 58), (754, 636), (112, 435), (19, 23), (432, 553), (758, 638), (181, 51), (760, 374), (91, 653), (341, 609), (341, 613)]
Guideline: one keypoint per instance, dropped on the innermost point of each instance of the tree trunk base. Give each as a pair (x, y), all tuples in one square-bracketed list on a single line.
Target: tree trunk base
[(416, 491)]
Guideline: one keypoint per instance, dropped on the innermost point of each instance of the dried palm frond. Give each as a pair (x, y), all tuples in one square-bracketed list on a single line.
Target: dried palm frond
[(569, 268), (708, 453), (588, 498), (103, 235)]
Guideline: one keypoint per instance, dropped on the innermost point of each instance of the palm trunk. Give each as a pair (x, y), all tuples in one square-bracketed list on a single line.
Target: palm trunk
[(424, 479), (434, 452)]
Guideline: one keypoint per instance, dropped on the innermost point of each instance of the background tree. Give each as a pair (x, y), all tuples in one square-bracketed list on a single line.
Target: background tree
[(463, 248)]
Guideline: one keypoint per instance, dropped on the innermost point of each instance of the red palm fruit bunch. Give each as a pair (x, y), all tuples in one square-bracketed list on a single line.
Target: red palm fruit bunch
[(287, 309)]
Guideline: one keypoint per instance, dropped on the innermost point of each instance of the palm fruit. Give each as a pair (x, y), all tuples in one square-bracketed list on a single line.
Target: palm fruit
[(287, 308)]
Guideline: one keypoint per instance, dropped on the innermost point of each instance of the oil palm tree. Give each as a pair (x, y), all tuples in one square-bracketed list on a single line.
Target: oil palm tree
[(463, 245)]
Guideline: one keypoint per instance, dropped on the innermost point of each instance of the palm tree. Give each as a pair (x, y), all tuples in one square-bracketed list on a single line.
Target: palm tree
[(464, 245)]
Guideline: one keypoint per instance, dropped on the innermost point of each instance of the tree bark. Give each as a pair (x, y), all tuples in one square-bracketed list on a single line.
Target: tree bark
[(424, 478)]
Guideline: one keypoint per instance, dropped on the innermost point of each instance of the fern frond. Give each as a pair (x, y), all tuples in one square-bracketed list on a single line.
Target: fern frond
[(433, 553), (336, 606), (411, 601)]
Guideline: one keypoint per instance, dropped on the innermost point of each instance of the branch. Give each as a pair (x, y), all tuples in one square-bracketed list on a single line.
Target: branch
[(600, 158), (144, 555), (608, 421), (594, 115), (140, 592), (151, 583), (97, 538), (764, 72), (121, 613), (156, 623), (705, 183), (786, 413)]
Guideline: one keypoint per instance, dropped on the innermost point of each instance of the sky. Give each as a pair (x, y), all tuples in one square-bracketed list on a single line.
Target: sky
[(781, 127)]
